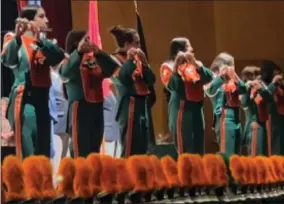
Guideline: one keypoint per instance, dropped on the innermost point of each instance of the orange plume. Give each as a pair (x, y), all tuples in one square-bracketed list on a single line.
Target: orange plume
[(65, 175), (276, 162), (211, 165), (46, 169), (151, 177), (95, 178), (185, 167), (201, 172), (237, 169), (3, 192), (222, 172), (261, 169), (161, 180), (171, 171), (247, 170), (137, 172), (124, 182), (13, 177), (108, 175), (82, 178), (273, 177), (33, 178)]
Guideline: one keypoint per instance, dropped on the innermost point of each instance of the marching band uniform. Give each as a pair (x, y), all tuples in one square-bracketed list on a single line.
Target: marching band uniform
[(225, 99), (28, 112), (186, 121), (276, 108), (84, 75), (256, 113), (133, 115)]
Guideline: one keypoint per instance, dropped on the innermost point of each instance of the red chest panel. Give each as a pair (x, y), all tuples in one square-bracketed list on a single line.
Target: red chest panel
[(232, 99), (92, 79), (141, 87), (39, 70), (194, 92)]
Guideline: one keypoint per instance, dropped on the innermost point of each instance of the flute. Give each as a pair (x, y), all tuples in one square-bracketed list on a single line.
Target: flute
[(18, 20)]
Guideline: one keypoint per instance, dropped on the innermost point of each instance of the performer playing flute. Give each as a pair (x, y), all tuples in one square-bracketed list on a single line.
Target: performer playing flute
[(256, 112), (83, 75), (185, 83), (30, 55), (132, 81), (224, 92)]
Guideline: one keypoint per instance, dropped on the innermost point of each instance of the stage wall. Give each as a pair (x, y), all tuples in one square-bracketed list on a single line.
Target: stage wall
[(250, 31)]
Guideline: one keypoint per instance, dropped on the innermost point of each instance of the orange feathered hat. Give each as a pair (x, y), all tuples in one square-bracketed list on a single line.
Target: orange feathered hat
[(123, 180), (81, 183), (211, 164), (33, 178), (65, 177), (171, 171), (160, 178), (185, 168), (13, 177), (95, 179), (237, 169)]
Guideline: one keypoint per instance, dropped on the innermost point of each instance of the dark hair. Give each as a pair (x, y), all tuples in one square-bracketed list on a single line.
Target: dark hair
[(177, 45), (249, 72), (29, 12), (223, 58), (72, 40), (267, 70), (123, 35)]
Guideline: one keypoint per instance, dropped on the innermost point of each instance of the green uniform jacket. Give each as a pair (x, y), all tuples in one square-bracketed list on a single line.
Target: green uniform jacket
[(28, 111), (276, 127), (227, 124), (83, 76), (186, 119), (133, 115), (256, 113)]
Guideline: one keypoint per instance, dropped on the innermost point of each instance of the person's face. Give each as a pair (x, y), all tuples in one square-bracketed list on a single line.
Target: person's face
[(4, 106), (41, 19), (134, 44)]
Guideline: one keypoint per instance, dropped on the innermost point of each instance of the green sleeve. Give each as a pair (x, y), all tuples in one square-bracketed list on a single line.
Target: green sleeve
[(107, 64), (71, 68), (53, 53), (125, 73), (244, 99), (241, 87), (205, 74), (213, 87), (149, 76), (9, 57), (267, 92), (174, 82)]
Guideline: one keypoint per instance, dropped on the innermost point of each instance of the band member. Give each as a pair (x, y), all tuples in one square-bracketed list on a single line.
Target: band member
[(186, 120), (224, 92), (132, 82), (30, 55), (83, 74), (256, 112), (272, 75), (176, 45)]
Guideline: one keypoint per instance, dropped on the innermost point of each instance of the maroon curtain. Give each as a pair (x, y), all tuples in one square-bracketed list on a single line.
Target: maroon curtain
[(59, 14)]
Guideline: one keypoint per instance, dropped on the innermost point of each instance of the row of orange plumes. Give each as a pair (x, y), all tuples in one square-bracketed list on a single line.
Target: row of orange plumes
[(86, 177)]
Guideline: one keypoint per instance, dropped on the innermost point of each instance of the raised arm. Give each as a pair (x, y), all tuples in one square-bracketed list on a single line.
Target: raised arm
[(70, 67)]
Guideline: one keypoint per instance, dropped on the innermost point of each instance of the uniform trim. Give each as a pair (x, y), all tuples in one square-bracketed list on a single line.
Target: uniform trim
[(75, 128), (18, 120), (130, 123), (179, 127), (254, 139), (223, 131), (268, 135)]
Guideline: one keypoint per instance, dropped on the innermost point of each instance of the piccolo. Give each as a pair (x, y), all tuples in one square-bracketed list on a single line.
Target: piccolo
[(18, 20)]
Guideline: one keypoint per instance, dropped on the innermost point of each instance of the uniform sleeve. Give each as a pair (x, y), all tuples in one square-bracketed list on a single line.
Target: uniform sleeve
[(174, 82), (53, 53), (70, 68), (205, 74), (268, 92), (107, 64), (241, 87), (148, 75), (125, 73), (9, 55), (212, 88), (244, 99)]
